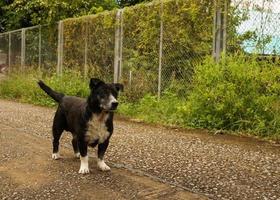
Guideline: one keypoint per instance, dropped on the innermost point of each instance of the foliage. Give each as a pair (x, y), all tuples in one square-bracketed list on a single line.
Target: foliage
[(23, 87), (187, 37), (239, 94), (165, 110), (97, 32), (24, 13)]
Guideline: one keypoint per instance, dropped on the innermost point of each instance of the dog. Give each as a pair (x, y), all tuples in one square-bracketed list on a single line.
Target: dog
[(89, 120)]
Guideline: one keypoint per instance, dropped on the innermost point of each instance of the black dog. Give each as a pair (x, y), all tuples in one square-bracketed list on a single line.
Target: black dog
[(90, 121)]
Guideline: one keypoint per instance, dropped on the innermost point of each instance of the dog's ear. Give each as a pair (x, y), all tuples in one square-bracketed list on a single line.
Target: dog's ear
[(118, 86), (95, 83)]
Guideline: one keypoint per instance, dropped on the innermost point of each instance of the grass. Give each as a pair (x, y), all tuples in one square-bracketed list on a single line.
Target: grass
[(236, 95)]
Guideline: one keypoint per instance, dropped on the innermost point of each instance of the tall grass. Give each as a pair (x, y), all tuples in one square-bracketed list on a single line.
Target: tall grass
[(238, 94), (23, 86)]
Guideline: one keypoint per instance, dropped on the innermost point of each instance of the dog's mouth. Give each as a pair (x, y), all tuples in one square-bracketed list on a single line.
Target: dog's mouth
[(112, 108)]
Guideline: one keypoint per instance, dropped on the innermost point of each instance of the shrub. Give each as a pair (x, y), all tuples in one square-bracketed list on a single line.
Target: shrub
[(236, 94)]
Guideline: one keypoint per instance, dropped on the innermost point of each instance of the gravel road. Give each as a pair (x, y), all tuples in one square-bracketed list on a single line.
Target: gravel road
[(148, 162)]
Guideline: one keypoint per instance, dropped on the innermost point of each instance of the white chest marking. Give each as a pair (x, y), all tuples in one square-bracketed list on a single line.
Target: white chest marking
[(97, 129)]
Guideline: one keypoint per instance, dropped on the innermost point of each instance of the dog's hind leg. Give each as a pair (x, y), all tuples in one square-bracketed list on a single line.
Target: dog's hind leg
[(75, 146), (58, 127), (56, 136)]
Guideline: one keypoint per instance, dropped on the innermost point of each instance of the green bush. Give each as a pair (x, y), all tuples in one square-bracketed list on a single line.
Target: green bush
[(236, 94), (239, 94)]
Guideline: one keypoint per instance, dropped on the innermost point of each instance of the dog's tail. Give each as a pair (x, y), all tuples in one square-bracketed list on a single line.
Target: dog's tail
[(55, 95)]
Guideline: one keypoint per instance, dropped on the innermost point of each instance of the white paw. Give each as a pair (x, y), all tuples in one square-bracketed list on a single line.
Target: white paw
[(83, 170), (56, 156), (84, 165), (102, 165), (77, 155)]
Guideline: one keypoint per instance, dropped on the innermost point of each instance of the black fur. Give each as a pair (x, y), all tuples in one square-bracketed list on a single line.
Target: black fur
[(74, 115)]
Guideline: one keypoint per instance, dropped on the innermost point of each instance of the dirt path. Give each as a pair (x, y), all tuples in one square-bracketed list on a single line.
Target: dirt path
[(27, 172), (147, 163)]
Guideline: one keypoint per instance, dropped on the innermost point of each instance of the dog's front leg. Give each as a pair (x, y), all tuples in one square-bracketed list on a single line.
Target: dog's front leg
[(84, 157), (101, 151)]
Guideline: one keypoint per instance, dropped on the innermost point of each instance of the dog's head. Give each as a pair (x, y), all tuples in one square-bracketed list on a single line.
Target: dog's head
[(104, 95)]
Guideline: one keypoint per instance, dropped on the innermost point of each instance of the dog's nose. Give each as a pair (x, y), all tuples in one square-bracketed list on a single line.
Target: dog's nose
[(114, 105)]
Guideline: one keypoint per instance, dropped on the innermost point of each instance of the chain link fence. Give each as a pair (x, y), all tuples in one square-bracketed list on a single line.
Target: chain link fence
[(29, 48), (151, 48), (139, 31)]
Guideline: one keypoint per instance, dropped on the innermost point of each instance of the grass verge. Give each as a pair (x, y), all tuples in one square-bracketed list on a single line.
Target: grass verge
[(237, 95)]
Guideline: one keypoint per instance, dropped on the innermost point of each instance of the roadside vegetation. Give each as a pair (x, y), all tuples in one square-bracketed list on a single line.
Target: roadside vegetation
[(239, 94)]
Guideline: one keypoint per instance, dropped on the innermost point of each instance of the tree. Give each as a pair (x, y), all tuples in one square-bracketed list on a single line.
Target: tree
[(23, 13)]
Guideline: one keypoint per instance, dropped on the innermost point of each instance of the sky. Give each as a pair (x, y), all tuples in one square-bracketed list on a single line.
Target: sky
[(264, 23), (273, 5)]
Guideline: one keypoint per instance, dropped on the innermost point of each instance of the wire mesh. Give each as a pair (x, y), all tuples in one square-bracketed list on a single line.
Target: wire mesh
[(186, 40), (100, 45), (151, 48), (74, 44), (48, 50), (4, 52), (32, 47), (15, 57), (140, 50)]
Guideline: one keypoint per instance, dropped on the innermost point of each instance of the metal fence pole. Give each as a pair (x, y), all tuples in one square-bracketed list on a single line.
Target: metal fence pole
[(117, 46), (218, 32), (40, 46), (225, 13), (219, 28), (86, 52), (214, 29), (22, 63), (60, 48), (160, 50), (121, 44)]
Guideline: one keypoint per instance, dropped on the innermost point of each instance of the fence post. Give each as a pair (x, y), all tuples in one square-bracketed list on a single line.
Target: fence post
[(86, 51), (40, 46), (219, 28), (160, 49), (121, 44), (60, 48), (214, 30), (22, 63), (117, 47), (225, 13), (9, 52), (218, 31)]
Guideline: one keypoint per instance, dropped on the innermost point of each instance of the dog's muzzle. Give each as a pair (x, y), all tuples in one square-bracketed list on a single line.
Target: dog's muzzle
[(114, 106)]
